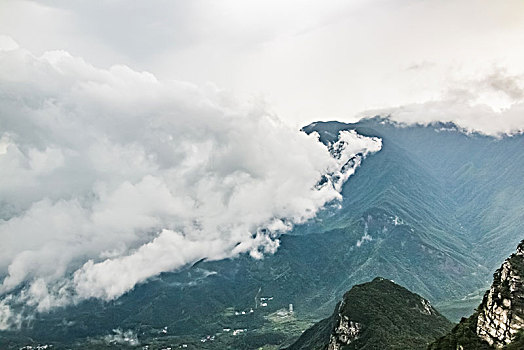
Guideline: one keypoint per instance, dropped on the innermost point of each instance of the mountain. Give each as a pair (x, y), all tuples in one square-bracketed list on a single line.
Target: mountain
[(436, 210), (499, 320), (376, 315), (480, 177), (462, 193)]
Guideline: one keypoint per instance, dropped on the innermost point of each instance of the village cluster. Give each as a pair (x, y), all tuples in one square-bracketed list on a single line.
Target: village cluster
[(262, 302)]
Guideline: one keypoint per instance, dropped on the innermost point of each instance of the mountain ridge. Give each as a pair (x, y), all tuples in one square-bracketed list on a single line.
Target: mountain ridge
[(401, 217), (376, 315)]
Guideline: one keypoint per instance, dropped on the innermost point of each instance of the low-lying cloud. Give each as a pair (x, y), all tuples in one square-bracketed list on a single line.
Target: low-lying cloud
[(492, 104), (112, 176)]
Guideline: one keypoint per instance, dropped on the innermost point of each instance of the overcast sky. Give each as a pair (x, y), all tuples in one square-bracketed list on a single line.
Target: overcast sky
[(137, 137), (309, 60)]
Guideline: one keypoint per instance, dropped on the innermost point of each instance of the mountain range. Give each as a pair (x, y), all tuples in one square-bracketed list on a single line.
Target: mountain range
[(436, 211), (383, 315)]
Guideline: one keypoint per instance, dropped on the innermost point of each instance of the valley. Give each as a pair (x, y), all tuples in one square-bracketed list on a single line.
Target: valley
[(431, 211)]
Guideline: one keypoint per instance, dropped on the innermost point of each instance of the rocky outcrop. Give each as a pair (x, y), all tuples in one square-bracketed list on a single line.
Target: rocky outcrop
[(501, 314), (345, 332), (498, 322)]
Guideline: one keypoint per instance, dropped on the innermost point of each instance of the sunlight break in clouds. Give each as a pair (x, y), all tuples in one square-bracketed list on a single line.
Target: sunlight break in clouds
[(110, 177)]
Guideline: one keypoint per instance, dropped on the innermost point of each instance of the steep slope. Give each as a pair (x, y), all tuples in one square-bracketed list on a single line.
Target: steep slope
[(376, 315), (479, 197), (407, 221), (434, 210), (407, 225), (499, 319), (480, 176)]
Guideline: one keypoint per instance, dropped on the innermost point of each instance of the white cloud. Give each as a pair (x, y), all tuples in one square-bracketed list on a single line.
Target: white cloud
[(8, 318), (111, 176), (363, 239), (7, 43), (366, 237), (492, 104), (311, 59)]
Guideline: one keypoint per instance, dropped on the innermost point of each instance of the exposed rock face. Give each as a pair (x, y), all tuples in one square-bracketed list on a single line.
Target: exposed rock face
[(427, 308), (345, 332), (501, 314)]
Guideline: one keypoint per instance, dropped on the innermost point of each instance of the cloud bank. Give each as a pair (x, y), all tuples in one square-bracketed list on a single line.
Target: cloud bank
[(492, 104), (310, 58), (112, 176)]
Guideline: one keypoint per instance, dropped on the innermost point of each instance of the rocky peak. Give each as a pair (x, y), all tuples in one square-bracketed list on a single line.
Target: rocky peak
[(520, 249), (501, 313), (345, 331)]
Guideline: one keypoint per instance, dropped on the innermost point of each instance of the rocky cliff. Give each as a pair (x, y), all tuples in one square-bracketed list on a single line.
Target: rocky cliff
[(345, 332), (501, 314), (499, 319)]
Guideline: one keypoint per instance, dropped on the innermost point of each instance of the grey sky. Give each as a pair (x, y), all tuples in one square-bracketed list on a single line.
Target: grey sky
[(309, 59)]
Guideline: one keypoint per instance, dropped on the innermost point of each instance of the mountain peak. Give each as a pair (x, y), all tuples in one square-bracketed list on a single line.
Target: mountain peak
[(379, 314), (520, 248)]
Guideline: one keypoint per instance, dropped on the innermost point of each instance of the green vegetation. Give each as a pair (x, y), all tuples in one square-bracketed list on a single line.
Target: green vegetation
[(462, 334), (440, 210), (391, 317), (455, 309), (517, 343)]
